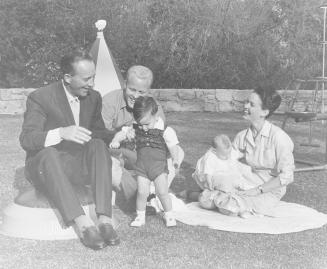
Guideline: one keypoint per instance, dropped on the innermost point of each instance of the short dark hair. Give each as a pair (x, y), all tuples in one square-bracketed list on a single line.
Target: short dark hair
[(144, 105), (67, 62), (269, 97)]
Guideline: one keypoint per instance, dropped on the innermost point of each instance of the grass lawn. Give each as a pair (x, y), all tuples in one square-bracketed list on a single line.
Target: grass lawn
[(155, 246)]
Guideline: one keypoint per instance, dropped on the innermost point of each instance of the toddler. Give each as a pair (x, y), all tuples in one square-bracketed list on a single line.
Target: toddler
[(221, 175), (154, 144)]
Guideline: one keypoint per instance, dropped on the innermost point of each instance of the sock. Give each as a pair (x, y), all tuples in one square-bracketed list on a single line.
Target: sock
[(140, 214), (83, 222)]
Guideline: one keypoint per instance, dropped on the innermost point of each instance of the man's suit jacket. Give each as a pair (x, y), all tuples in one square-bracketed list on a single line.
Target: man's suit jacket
[(47, 108)]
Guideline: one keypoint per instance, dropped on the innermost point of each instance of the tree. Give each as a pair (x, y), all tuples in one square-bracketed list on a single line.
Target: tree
[(187, 43)]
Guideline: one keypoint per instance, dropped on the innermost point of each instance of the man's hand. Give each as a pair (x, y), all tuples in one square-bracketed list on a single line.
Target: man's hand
[(75, 133)]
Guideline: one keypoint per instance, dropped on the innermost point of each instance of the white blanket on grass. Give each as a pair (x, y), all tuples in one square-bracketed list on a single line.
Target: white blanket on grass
[(287, 218)]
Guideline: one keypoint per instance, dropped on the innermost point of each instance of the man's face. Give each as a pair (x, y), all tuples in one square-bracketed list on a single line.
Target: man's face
[(135, 87), (82, 79)]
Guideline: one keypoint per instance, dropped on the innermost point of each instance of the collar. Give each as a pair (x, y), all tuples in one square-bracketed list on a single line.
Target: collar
[(265, 130), (71, 98)]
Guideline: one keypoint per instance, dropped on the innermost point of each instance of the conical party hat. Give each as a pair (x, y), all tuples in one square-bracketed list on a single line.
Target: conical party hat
[(107, 76)]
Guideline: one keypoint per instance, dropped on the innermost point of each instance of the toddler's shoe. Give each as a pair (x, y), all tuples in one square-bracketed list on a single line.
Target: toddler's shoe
[(138, 222), (169, 221)]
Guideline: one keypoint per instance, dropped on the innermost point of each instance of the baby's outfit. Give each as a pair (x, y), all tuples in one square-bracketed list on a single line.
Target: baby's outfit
[(152, 149), (228, 176)]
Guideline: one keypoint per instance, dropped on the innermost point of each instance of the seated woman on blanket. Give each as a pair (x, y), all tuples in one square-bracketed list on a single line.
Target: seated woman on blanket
[(221, 175), (267, 149)]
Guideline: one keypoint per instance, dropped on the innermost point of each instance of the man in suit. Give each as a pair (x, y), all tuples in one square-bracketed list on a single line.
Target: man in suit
[(63, 135)]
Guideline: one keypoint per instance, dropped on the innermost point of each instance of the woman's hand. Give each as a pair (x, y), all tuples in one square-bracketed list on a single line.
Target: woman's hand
[(249, 192)]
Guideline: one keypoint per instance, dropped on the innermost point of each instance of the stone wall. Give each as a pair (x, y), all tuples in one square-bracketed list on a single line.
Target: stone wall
[(12, 101)]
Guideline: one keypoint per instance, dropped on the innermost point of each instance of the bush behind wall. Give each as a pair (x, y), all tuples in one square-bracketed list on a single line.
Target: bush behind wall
[(187, 43)]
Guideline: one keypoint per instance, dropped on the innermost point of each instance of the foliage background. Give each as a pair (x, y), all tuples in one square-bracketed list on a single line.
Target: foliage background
[(187, 43)]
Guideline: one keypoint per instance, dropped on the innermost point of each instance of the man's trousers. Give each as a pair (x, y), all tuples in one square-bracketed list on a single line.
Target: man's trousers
[(56, 172)]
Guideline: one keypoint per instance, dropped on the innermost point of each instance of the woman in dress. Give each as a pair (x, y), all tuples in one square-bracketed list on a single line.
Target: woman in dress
[(267, 149)]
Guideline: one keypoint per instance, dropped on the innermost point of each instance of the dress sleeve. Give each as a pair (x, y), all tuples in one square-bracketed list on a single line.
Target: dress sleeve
[(285, 160)]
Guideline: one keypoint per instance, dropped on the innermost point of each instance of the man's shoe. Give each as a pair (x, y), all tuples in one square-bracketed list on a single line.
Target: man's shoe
[(92, 239), (108, 234)]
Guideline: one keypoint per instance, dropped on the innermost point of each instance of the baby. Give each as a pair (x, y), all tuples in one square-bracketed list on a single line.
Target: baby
[(221, 175), (154, 143)]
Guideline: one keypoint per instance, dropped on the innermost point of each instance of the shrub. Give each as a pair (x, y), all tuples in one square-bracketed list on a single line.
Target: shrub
[(188, 44)]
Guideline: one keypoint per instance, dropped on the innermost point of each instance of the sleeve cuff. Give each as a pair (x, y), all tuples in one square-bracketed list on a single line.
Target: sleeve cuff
[(52, 138)]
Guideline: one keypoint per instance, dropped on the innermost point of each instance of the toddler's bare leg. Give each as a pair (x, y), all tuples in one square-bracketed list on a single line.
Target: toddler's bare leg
[(143, 187), (161, 185)]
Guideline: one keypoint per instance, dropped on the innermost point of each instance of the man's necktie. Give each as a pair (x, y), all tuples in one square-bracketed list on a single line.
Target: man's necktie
[(75, 106)]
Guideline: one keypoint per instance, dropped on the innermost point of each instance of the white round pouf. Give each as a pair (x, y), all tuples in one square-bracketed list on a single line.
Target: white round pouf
[(38, 223)]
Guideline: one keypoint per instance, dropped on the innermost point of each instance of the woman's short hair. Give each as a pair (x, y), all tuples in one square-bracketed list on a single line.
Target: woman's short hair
[(144, 105), (269, 97), (67, 62)]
